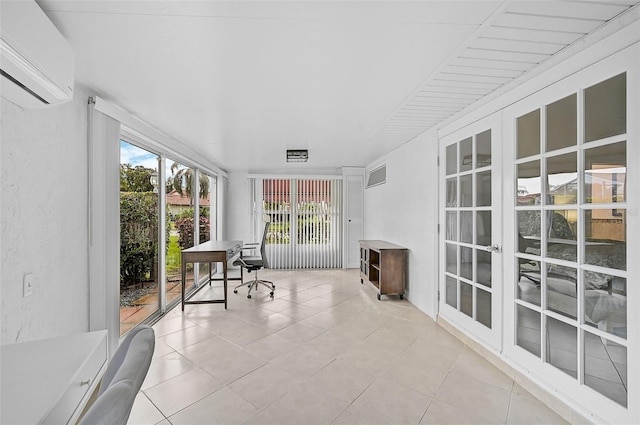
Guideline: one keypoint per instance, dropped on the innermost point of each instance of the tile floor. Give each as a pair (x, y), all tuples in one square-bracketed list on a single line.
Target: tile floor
[(323, 351)]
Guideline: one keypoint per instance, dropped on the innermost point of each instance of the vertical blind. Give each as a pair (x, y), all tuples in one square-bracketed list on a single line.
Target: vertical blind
[(306, 222)]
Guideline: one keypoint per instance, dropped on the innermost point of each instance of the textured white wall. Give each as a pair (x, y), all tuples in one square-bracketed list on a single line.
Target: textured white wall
[(404, 211), (44, 220), (239, 208)]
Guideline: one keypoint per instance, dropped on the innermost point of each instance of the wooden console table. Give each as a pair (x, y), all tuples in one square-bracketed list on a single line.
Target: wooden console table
[(384, 265)]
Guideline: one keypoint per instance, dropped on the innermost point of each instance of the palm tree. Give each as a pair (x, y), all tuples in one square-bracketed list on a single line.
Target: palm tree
[(182, 182)]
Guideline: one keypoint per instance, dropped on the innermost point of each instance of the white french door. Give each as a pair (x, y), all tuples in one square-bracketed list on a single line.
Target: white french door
[(470, 287)]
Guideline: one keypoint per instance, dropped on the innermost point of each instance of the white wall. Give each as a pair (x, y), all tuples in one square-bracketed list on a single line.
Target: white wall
[(44, 220), (238, 208), (404, 211)]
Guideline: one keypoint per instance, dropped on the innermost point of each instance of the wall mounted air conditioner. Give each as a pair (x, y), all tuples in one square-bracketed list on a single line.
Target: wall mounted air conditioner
[(36, 62)]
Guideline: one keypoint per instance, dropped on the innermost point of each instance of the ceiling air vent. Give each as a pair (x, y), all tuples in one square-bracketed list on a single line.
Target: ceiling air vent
[(377, 176)]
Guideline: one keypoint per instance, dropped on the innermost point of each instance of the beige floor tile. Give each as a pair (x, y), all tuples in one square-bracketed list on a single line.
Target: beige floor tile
[(224, 323), (375, 361), (389, 340), (471, 364), (276, 321), (177, 393), (271, 346), (188, 336), (440, 413), (202, 352), (224, 407), (302, 362), (161, 349), (474, 397), (244, 335), (300, 332), (171, 324), (144, 412), (265, 385), (424, 376), (342, 379), (232, 363), (525, 409), (166, 367)]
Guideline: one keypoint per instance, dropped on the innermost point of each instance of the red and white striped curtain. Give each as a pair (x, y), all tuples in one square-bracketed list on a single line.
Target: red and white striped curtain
[(306, 222)]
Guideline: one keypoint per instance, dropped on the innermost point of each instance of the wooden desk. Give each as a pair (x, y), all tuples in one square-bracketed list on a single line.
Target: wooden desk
[(209, 252), (51, 380)]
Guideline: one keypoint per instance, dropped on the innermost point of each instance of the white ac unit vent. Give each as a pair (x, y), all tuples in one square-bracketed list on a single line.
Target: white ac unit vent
[(36, 62), (377, 176)]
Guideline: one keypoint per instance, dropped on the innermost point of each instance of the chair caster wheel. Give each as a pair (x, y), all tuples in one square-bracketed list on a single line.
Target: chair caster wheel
[(248, 296), (402, 296), (271, 294), (378, 297), (235, 291)]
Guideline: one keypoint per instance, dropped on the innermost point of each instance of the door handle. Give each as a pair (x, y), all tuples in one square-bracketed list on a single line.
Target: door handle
[(492, 248)]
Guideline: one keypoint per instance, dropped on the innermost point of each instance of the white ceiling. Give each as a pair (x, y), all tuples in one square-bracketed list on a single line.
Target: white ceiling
[(240, 82)]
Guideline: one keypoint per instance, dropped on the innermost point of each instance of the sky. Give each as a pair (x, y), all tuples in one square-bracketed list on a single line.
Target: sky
[(133, 155)]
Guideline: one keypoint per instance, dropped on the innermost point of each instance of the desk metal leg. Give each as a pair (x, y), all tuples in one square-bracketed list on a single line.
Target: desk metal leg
[(183, 272), (224, 268)]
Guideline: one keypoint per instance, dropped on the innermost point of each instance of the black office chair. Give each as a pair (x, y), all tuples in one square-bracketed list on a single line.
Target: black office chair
[(254, 264)]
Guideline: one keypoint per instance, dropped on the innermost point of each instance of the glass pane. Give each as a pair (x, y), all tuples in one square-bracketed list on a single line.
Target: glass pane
[(605, 234), (483, 189), (180, 215), (452, 159), (466, 226), (529, 183), (483, 309), (483, 149), (605, 108), (483, 228), (483, 267), (528, 280), (562, 340), (561, 290), (605, 302), (466, 162), (561, 225), (528, 330), (451, 295), (466, 191), (562, 126), (562, 179), (452, 258), (605, 173), (528, 232), (605, 367), (466, 262), (528, 136), (466, 299), (139, 224), (452, 226), (452, 197), (204, 229)]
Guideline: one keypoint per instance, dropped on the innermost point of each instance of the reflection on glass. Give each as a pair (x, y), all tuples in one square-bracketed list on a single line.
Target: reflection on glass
[(605, 108), (528, 330), (452, 226), (561, 225), (605, 368), (562, 129), (466, 226), (483, 228), (452, 159), (528, 280), (452, 258), (605, 172), (451, 289), (483, 149), (466, 299), (528, 231), (466, 262), (466, 162), (561, 290), (483, 308), (452, 199), (466, 191), (205, 220), (562, 179), (483, 189), (529, 183), (483, 267), (605, 302), (528, 134), (605, 234), (562, 340)]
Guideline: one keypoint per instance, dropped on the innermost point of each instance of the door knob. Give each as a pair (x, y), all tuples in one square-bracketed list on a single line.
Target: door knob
[(492, 248)]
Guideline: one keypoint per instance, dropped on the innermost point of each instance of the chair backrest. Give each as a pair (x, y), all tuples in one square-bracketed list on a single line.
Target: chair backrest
[(123, 378), (263, 246)]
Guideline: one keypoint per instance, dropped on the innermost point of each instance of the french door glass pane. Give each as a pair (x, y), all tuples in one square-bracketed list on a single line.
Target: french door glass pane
[(483, 189), (139, 222), (483, 267), (562, 179), (606, 238), (528, 134), (562, 128), (605, 108), (451, 291), (561, 242), (466, 191), (605, 302), (466, 162), (466, 226), (483, 149), (605, 367), (529, 183), (452, 159), (452, 226), (562, 343), (528, 330), (483, 228), (529, 278), (605, 172), (466, 299), (561, 290), (484, 307)]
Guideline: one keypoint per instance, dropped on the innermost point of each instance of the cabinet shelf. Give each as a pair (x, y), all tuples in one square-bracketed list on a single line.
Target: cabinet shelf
[(383, 265)]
